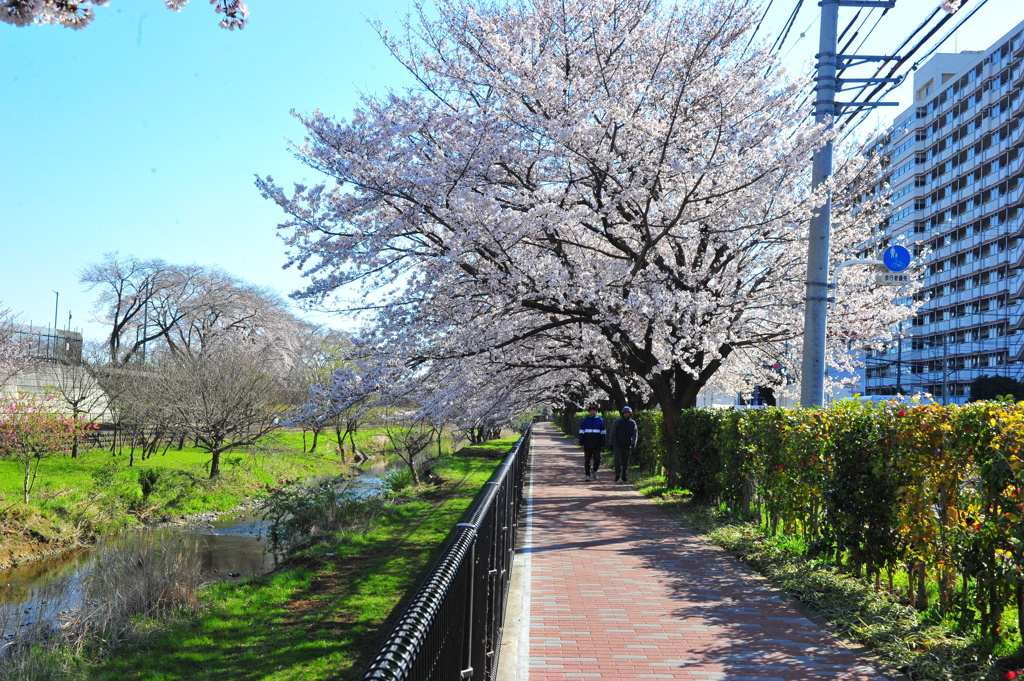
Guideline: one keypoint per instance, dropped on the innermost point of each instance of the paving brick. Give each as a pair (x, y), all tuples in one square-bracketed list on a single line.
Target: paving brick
[(620, 590)]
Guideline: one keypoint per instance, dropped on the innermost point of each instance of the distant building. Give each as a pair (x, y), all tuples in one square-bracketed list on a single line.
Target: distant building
[(56, 369), (956, 174), (50, 345)]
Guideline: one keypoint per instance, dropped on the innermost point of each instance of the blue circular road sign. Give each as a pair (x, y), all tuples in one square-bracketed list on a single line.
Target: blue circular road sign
[(896, 258)]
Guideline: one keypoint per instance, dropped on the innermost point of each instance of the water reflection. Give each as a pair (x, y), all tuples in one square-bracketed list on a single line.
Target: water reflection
[(17, 584), (231, 547)]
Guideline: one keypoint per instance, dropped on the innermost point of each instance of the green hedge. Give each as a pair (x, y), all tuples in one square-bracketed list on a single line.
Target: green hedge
[(937, 491), (649, 454)]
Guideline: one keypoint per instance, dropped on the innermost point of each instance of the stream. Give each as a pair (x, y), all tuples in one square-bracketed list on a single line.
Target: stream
[(231, 548)]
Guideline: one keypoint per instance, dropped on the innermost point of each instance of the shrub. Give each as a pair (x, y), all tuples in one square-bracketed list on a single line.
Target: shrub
[(300, 515)]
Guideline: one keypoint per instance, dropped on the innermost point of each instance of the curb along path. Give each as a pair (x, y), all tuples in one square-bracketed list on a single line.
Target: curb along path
[(614, 588)]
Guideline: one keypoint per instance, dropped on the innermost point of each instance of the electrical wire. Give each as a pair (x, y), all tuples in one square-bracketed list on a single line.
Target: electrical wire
[(807, 99), (849, 25), (780, 41), (901, 60), (802, 36), (868, 35), (758, 27), (946, 37), (863, 111)]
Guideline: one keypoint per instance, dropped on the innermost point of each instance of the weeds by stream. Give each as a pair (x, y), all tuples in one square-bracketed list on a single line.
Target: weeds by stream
[(346, 563), (134, 582)]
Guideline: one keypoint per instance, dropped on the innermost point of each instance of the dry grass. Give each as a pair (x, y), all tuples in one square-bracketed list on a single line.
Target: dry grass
[(134, 580)]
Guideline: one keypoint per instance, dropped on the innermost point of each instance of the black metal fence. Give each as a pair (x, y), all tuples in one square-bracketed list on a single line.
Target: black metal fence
[(44, 343), (452, 628)]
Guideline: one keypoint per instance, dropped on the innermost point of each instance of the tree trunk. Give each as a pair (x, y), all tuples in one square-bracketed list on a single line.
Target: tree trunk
[(214, 464), (747, 503), (671, 413), (351, 432), (922, 587), (316, 436), (1020, 608), (30, 476), (676, 390)]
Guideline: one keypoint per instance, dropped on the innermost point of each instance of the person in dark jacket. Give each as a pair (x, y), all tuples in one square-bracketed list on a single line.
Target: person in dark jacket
[(591, 438), (623, 436)]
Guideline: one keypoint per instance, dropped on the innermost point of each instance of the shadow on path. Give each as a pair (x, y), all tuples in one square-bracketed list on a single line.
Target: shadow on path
[(618, 589)]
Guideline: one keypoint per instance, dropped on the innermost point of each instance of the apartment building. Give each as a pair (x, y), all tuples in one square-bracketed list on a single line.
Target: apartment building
[(955, 171)]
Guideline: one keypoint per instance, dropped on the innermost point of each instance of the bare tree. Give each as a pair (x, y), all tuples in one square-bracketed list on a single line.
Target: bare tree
[(152, 307), (76, 388), (126, 288), (226, 397), (14, 356)]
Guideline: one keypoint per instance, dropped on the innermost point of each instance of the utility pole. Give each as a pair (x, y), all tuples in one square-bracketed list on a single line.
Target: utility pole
[(53, 336), (899, 361), (812, 385), (945, 368), (826, 110)]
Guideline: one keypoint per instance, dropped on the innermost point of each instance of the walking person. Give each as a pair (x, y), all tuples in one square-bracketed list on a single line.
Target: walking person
[(591, 438), (623, 436)]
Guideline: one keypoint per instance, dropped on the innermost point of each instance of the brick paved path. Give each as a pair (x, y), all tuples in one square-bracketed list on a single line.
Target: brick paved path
[(616, 589)]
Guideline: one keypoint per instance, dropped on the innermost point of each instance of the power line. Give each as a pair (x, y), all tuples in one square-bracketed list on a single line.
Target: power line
[(849, 25), (868, 35), (802, 35), (758, 27), (779, 42), (862, 110)]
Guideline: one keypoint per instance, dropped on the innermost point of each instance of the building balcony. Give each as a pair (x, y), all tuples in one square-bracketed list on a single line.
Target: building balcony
[(1016, 285), (1017, 320), (1012, 197)]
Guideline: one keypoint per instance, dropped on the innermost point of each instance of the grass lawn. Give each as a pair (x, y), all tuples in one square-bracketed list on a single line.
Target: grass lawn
[(322, 615), (99, 492), (493, 448)]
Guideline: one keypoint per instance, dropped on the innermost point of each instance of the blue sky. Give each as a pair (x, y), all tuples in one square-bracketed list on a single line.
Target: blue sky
[(142, 133)]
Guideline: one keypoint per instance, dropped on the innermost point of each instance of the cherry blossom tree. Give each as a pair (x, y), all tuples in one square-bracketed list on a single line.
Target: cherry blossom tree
[(151, 306), (317, 409), (77, 14), (478, 396), (33, 427), (613, 187)]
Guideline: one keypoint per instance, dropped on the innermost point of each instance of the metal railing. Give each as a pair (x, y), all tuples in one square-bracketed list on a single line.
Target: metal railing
[(452, 628)]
